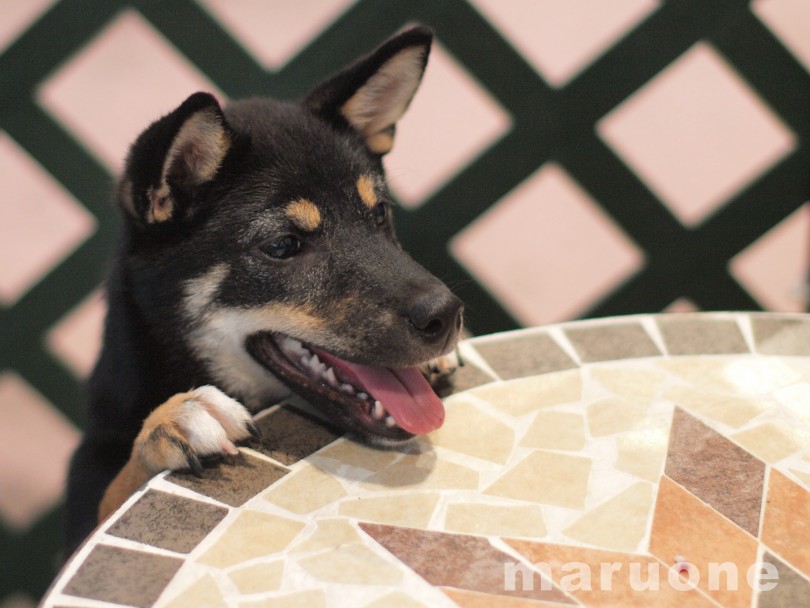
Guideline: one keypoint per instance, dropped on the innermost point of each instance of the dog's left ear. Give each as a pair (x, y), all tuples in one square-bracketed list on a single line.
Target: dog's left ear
[(172, 159), (372, 94)]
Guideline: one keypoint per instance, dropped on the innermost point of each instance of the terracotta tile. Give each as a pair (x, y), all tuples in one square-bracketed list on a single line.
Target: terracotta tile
[(474, 599), (203, 592), (716, 470), (610, 342), (791, 590), (123, 576), (684, 526), (495, 520), (305, 490), (258, 578), (411, 510), (462, 430), (233, 481), (252, 534), (288, 435), (539, 354), (556, 431), (579, 572), (772, 441), (730, 410), (780, 336), (454, 560), (786, 525), (353, 564), (520, 397), (619, 523), (688, 335), (546, 478), (168, 521)]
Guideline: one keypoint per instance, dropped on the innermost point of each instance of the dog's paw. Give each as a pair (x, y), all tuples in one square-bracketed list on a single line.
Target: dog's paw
[(190, 426), (438, 370)]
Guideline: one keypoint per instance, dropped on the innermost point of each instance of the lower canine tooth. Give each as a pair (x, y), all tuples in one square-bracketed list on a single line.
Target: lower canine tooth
[(330, 377), (390, 422), (379, 411)]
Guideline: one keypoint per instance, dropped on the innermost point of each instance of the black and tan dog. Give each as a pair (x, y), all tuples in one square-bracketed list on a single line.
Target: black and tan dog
[(258, 259)]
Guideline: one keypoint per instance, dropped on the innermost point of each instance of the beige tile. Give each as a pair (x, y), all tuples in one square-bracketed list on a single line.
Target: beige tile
[(411, 510), (516, 521), (736, 375), (396, 599), (795, 398), (528, 394), (259, 577), (803, 477), (772, 441), (733, 411), (465, 428), (547, 478), (555, 431), (314, 598), (639, 385), (642, 452), (305, 490), (614, 415), (618, 523), (202, 594), (252, 534), (353, 564), (329, 534), (423, 471), (357, 455)]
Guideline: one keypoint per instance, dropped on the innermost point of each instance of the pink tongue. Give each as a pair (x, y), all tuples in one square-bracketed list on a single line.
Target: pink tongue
[(404, 393)]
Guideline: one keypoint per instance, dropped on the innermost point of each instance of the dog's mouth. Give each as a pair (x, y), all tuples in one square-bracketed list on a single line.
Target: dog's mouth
[(393, 404)]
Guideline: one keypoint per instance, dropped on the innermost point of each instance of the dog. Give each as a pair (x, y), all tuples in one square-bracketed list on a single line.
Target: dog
[(258, 260)]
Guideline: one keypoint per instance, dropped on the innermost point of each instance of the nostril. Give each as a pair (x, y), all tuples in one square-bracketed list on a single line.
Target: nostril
[(435, 315), (434, 327)]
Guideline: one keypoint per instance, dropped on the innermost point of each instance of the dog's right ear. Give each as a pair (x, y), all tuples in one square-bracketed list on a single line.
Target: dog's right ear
[(172, 159)]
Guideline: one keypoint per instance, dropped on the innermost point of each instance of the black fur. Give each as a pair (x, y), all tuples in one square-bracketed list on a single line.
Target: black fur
[(351, 274)]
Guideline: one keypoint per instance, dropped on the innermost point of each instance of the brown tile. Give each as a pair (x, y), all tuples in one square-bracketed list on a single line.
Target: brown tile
[(233, 481), (455, 560), (123, 576), (791, 589), (781, 336), (474, 599), (611, 342), (688, 335), (716, 470), (684, 526), (464, 378), (520, 355), (619, 588), (786, 525), (288, 434), (167, 521)]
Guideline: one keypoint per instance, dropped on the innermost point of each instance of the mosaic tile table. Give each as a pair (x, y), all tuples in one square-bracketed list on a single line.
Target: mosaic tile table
[(591, 461)]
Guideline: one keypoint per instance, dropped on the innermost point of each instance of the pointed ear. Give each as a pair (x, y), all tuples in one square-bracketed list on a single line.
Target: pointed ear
[(172, 158), (372, 94)]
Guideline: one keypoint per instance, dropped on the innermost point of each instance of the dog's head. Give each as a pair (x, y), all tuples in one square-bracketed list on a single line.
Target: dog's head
[(264, 230)]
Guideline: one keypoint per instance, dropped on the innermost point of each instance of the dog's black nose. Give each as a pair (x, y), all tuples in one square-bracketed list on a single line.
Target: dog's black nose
[(436, 315)]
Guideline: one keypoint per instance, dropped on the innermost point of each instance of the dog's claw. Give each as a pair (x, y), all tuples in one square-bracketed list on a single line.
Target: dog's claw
[(195, 465), (254, 431)]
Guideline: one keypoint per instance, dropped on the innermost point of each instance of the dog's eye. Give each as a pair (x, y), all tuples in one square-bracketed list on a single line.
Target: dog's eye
[(281, 249), (380, 213)]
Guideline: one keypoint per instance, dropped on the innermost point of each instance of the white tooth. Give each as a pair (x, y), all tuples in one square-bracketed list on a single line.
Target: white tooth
[(379, 411), (293, 347), (304, 361), (362, 395), (347, 388), (329, 376), (390, 422)]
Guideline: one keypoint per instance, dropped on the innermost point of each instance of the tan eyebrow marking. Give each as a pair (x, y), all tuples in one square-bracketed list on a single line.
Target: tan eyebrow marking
[(304, 214), (365, 186)]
